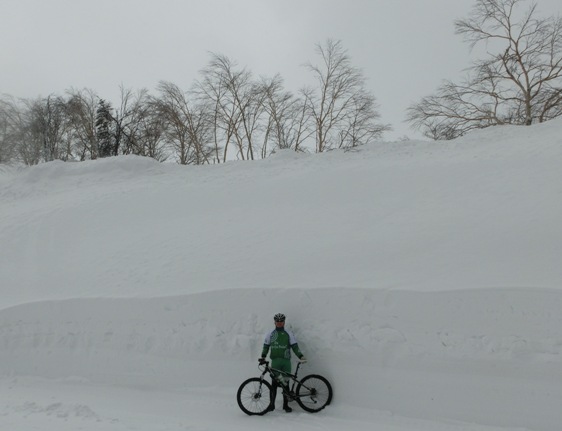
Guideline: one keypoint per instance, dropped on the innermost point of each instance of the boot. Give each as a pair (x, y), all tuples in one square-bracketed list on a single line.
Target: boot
[(286, 404)]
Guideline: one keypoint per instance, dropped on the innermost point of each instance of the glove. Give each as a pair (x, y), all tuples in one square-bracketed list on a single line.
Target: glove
[(262, 361), (303, 360)]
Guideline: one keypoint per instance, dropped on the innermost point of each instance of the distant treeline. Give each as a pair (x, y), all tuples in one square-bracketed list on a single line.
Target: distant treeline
[(227, 114)]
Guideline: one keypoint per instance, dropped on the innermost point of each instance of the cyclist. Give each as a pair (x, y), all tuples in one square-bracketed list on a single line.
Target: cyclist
[(280, 342)]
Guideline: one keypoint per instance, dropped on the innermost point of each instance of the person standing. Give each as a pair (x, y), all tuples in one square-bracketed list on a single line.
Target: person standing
[(279, 342)]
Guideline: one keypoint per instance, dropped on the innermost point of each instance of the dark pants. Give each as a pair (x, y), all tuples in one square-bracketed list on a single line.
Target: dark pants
[(274, 385), (282, 365)]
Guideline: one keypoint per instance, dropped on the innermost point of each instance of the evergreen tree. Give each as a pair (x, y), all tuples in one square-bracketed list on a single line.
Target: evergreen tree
[(104, 130)]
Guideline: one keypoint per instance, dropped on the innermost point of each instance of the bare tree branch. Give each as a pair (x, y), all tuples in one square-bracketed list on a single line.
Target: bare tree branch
[(518, 83), (339, 99)]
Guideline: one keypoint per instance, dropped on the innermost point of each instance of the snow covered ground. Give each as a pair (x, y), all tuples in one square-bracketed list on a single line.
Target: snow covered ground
[(423, 279)]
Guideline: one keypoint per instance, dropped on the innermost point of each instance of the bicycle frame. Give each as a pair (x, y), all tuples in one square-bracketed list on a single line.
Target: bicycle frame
[(274, 373)]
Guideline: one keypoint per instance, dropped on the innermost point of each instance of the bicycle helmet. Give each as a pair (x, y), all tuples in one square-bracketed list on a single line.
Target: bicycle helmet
[(279, 317)]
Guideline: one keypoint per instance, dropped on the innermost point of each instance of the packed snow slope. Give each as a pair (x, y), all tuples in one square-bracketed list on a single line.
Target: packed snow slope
[(422, 278)]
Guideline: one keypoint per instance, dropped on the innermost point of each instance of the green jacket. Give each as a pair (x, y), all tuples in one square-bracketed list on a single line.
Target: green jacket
[(280, 342)]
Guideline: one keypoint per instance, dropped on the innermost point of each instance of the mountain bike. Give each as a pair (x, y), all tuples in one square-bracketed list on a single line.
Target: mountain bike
[(312, 392)]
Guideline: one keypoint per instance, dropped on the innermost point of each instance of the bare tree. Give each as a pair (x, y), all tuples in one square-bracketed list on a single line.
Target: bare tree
[(29, 143), (129, 118), (334, 103), (150, 136), (141, 130), (187, 127), (458, 108), (81, 110), (237, 103), (9, 115), (288, 125), (251, 105), (46, 123), (34, 129), (361, 126), (519, 82), (19, 138), (211, 91)]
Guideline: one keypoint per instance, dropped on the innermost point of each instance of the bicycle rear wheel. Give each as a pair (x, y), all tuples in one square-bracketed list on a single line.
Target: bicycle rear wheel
[(314, 393), (254, 396)]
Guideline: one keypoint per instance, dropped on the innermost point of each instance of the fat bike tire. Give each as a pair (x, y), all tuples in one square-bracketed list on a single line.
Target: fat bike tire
[(313, 393), (254, 396)]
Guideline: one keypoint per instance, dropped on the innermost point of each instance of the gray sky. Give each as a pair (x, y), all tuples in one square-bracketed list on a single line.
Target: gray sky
[(404, 47)]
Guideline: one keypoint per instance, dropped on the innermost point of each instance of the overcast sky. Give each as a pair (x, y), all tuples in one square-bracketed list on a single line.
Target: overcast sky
[(404, 47)]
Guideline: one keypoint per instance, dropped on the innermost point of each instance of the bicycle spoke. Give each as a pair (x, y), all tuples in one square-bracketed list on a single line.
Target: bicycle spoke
[(254, 396), (253, 399), (314, 393)]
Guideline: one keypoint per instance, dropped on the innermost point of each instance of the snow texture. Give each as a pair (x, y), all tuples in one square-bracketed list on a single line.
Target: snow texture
[(423, 279)]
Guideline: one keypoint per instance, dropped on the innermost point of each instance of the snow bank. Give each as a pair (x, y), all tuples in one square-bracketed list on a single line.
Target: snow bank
[(423, 279), (418, 354), (416, 216)]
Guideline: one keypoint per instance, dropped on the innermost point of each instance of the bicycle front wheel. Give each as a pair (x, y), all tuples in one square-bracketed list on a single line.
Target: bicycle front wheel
[(254, 396), (314, 393)]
